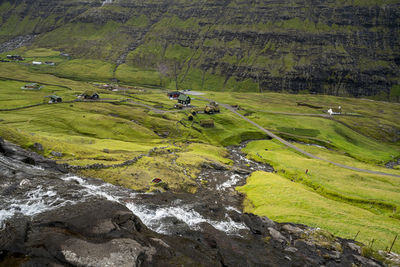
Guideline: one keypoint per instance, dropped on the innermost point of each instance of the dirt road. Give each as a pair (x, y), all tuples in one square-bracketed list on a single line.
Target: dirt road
[(269, 133)]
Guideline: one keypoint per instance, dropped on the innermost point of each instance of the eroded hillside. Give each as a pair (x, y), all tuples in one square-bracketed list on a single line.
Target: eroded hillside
[(334, 47)]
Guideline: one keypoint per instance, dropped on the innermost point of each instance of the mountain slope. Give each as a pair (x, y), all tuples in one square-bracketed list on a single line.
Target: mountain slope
[(333, 47)]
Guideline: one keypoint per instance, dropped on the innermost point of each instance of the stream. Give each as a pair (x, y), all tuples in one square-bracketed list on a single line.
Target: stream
[(49, 217), (216, 203)]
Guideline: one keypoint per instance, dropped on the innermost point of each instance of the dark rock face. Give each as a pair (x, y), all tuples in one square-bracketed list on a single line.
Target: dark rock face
[(331, 47)]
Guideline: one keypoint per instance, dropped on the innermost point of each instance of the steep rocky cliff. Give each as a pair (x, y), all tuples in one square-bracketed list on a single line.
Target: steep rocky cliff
[(339, 47)]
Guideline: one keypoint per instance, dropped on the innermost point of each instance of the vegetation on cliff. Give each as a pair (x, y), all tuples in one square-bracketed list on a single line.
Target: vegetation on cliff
[(347, 48)]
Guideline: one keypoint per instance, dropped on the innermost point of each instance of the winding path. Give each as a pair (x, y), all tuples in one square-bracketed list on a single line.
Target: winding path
[(272, 135)]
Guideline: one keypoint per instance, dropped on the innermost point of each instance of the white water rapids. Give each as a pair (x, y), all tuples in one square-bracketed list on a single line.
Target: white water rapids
[(38, 190), (39, 199), (106, 2)]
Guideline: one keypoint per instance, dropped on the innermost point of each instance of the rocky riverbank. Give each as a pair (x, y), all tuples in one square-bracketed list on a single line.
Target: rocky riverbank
[(48, 216)]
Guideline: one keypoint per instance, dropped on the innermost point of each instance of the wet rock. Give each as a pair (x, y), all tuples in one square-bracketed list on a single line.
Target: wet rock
[(277, 235), (38, 146), (291, 249), (292, 229), (25, 182), (256, 224), (288, 258), (2, 149), (237, 252), (29, 160), (117, 252), (335, 255), (56, 154), (32, 158), (354, 247), (161, 242), (214, 165), (365, 261), (301, 245), (268, 222)]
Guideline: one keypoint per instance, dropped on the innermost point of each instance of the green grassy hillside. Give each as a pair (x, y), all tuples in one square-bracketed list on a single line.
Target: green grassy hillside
[(134, 135), (338, 47), (239, 53)]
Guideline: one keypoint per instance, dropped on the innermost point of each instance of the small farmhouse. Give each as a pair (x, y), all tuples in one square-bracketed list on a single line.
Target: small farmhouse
[(184, 99), (90, 96), (335, 111), (174, 95), (54, 99), (31, 86), (37, 63), (15, 57)]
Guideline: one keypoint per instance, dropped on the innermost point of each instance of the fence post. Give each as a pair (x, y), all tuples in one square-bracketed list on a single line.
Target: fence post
[(394, 240), (356, 235)]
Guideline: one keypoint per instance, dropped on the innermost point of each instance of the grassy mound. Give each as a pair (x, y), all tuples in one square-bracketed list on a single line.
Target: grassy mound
[(280, 199)]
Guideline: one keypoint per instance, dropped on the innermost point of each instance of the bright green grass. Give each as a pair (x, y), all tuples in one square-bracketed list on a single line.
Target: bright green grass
[(278, 102), (342, 158), (95, 132), (24, 73), (177, 170), (12, 96), (338, 136), (196, 153), (86, 69), (269, 194), (41, 52), (133, 75), (68, 120), (379, 194)]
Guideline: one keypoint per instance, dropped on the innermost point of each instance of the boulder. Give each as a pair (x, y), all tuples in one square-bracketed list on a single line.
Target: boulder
[(354, 247), (277, 235), (38, 147), (292, 229), (56, 154), (117, 252)]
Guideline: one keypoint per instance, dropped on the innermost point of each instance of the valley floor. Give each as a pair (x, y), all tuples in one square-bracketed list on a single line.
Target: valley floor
[(133, 135)]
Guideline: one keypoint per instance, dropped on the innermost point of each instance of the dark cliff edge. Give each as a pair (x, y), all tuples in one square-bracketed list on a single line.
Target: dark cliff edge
[(346, 48), (93, 231)]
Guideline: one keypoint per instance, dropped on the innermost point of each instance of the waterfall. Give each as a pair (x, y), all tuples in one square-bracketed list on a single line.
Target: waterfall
[(107, 2)]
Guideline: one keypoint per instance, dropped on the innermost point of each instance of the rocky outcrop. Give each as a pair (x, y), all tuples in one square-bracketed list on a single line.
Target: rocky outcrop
[(47, 218)]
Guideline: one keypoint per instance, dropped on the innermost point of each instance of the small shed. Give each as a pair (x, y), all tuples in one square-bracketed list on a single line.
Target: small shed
[(15, 57), (31, 86), (90, 96), (335, 111), (37, 63), (173, 95), (54, 99), (184, 99), (94, 96)]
